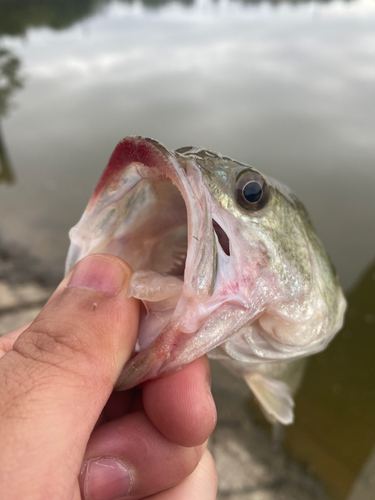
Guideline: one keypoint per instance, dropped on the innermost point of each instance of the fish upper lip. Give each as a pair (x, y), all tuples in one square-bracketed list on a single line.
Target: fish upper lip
[(142, 150)]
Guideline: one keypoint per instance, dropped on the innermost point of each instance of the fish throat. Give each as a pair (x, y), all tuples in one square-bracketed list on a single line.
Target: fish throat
[(157, 250)]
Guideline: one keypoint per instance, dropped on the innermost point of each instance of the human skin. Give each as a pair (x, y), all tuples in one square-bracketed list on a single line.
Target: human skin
[(64, 433)]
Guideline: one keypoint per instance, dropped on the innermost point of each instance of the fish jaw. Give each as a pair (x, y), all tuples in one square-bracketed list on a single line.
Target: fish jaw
[(175, 347)]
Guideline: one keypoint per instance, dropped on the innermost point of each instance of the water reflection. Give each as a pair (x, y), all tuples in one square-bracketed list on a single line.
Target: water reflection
[(289, 90), (286, 92), (10, 81), (335, 407), (6, 172), (19, 15), (293, 2)]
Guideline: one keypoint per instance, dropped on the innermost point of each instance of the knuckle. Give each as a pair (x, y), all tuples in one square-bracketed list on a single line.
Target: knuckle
[(53, 349), (49, 342)]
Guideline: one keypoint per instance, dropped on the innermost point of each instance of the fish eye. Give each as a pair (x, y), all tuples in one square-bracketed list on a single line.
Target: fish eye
[(251, 191)]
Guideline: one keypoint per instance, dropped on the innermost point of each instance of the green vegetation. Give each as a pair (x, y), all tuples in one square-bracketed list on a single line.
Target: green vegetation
[(16, 16), (10, 80)]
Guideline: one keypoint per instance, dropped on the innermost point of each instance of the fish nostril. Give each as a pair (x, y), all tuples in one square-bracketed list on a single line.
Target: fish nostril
[(221, 236)]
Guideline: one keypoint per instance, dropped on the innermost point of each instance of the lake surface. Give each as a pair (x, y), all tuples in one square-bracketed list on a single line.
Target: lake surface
[(288, 87)]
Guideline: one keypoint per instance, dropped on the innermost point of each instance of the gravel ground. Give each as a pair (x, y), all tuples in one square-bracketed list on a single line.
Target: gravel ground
[(249, 467)]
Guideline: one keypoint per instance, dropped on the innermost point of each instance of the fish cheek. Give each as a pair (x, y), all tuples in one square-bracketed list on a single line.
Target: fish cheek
[(291, 333)]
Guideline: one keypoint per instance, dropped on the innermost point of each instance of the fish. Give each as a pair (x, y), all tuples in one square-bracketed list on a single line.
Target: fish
[(225, 262)]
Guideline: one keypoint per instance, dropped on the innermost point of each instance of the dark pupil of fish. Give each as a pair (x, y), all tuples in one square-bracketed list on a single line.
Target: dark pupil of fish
[(252, 192)]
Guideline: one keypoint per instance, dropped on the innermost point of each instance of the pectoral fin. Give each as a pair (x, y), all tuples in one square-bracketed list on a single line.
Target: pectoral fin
[(273, 396)]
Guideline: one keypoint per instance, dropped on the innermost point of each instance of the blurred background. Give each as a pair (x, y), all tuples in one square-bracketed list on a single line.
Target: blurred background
[(286, 86)]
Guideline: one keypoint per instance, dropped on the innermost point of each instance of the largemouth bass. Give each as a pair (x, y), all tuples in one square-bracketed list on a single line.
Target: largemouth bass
[(225, 262)]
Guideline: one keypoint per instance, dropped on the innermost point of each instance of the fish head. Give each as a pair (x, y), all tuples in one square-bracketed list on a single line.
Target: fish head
[(225, 260)]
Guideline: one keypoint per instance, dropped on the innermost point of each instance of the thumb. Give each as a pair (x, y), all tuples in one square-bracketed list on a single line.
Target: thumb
[(57, 378)]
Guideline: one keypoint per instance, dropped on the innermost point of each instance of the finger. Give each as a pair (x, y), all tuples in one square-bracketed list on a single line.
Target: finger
[(201, 484), (7, 341), (129, 456), (181, 405), (59, 374)]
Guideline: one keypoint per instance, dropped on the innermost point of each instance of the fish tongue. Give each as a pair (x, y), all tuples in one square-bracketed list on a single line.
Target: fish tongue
[(154, 287), (159, 294)]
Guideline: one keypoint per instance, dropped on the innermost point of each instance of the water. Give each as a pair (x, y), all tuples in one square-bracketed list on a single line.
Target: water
[(334, 431), (285, 86)]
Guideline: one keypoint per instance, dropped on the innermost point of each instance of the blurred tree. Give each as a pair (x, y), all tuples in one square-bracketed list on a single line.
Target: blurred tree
[(16, 16), (6, 172), (10, 81), (154, 4), (295, 2)]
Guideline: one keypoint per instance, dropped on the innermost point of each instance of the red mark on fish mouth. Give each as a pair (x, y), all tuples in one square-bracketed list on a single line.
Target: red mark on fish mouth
[(130, 150)]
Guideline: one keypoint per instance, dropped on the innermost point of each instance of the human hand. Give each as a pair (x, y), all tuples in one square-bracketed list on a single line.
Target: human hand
[(65, 435)]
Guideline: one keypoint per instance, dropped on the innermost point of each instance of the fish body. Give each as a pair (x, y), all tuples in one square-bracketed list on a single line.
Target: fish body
[(225, 261)]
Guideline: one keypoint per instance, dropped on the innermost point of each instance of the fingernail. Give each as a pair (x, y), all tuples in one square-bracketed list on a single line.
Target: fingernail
[(98, 273), (106, 479)]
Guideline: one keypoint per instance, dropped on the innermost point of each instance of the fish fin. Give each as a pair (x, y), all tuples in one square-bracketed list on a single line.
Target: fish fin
[(273, 396)]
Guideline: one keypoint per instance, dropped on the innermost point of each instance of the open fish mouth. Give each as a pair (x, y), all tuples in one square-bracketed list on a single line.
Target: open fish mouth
[(225, 262), (152, 210)]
